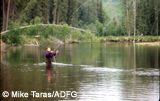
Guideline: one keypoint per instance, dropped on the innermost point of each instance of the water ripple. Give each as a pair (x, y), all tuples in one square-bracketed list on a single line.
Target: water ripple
[(100, 69), (147, 72)]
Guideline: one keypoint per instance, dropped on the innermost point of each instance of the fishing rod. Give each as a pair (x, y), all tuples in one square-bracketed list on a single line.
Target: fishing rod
[(56, 49)]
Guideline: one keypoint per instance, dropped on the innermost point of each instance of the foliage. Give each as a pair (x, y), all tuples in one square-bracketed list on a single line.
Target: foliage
[(131, 39), (102, 17), (12, 37), (36, 20), (147, 17), (13, 25), (47, 31)]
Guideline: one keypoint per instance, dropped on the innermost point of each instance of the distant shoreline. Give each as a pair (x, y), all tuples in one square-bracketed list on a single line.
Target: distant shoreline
[(138, 40), (149, 43), (132, 39)]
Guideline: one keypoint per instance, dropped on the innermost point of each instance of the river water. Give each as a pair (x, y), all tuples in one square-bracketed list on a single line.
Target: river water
[(96, 72)]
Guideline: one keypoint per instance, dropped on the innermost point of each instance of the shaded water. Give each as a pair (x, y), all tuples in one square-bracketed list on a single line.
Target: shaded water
[(97, 72)]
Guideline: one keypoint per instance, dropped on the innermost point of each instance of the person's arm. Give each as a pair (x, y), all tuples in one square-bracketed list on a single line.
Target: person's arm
[(54, 53)]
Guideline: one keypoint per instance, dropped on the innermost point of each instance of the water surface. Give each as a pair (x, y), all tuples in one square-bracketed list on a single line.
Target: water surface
[(97, 72)]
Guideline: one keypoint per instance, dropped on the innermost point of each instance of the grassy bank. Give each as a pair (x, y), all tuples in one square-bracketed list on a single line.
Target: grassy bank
[(137, 39), (36, 34), (44, 33)]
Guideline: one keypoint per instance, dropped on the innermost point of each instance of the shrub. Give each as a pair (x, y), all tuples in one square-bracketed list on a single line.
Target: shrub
[(46, 31), (12, 37)]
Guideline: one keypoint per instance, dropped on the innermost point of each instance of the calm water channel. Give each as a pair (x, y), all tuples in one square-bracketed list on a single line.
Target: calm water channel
[(97, 72)]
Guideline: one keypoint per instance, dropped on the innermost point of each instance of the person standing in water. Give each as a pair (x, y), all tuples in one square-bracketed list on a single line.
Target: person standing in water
[(49, 54)]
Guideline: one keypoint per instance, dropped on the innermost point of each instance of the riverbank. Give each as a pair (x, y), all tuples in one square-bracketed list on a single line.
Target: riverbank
[(137, 39), (40, 41), (37, 34), (149, 43), (52, 33)]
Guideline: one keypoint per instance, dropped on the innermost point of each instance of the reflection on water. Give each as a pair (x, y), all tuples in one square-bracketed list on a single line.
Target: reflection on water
[(49, 72), (98, 72)]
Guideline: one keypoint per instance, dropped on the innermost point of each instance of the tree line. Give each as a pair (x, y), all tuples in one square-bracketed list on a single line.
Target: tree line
[(142, 17), (138, 17)]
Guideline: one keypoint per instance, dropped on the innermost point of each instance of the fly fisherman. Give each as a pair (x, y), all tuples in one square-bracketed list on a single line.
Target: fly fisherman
[(49, 54)]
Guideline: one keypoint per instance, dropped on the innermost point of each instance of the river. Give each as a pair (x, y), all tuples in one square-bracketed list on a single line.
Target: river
[(96, 71)]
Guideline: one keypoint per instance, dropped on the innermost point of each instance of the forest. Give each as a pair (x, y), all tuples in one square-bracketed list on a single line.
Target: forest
[(101, 17), (98, 50)]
